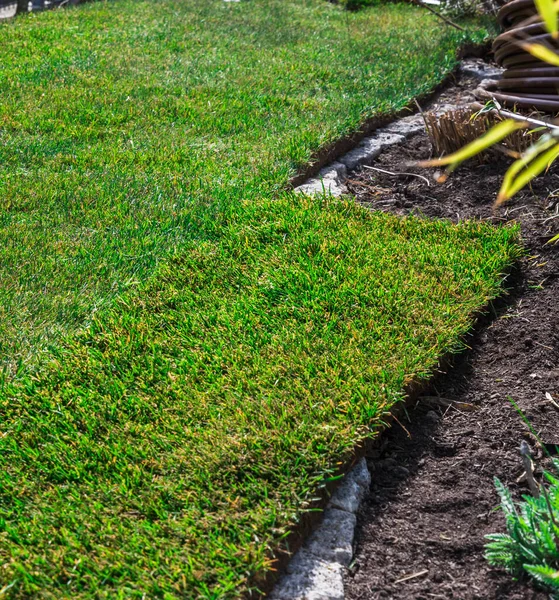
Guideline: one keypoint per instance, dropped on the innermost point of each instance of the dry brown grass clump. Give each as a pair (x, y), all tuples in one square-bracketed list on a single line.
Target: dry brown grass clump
[(454, 129)]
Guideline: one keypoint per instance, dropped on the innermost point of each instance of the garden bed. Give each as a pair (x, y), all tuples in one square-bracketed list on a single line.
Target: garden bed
[(432, 499)]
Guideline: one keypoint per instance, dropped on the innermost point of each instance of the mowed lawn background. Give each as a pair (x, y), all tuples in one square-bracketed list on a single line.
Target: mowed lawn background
[(191, 352), (120, 122)]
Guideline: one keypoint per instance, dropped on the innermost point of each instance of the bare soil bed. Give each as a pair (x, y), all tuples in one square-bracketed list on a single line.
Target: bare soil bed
[(421, 531)]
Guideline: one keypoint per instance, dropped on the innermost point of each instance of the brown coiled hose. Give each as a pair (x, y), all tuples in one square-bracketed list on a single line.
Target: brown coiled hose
[(527, 82)]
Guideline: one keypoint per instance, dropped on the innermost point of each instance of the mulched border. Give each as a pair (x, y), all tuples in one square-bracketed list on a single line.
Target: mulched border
[(421, 532)]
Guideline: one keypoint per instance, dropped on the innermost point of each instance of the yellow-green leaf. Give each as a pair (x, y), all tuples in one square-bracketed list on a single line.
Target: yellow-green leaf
[(553, 240), (548, 13), (543, 144), (536, 166), (548, 55), (496, 134)]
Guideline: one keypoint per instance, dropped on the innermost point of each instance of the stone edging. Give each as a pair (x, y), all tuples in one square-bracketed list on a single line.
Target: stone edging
[(330, 179), (317, 570)]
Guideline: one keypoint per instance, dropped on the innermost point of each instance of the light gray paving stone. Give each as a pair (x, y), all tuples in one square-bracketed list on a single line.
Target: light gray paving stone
[(309, 578), (353, 488), (320, 186), (340, 168), (479, 69), (361, 474), (383, 140), (333, 540), (369, 149), (356, 157), (8, 11), (444, 108), (406, 126), (348, 496), (329, 179), (336, 170), (329, 173), (316, 571)]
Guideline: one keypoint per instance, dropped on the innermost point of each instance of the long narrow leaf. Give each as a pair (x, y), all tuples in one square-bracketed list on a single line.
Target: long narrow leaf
[(548, 12), (544, 143), (542, 52), (538, 165)]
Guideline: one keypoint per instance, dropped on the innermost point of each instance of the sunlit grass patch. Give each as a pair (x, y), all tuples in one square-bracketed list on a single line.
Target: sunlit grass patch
[(122, 121), (211, 347), (168, 449)]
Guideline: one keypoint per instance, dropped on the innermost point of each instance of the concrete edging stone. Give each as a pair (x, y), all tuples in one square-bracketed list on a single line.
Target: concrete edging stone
[(331, 178), (316, 571)]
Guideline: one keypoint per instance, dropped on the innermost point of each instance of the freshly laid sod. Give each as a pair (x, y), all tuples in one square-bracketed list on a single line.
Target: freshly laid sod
[(167, 450), (191, 352)]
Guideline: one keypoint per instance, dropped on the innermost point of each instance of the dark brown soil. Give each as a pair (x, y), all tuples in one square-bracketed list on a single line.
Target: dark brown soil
[(432, 499)]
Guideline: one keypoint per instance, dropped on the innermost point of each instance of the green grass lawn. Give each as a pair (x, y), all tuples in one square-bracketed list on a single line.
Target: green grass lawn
[(120, 122), (189, 351)]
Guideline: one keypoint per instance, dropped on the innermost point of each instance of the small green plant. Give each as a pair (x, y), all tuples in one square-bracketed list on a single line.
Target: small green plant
[(531, 544)]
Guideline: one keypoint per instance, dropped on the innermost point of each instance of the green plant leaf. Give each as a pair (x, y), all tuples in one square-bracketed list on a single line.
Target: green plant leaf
[(542, 52), (544, 574), (512, 186), (544, 143), (531, 543), (548, 12)]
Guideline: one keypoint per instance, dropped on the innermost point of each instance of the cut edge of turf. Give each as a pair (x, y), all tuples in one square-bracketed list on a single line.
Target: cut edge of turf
[(262, 581), (314, 514), (331, 152)]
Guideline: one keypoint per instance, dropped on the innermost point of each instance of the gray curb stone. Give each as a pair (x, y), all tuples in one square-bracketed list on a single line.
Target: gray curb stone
[(331, 178), (407, 126), (316, 571), (480, 69), (369, 149), (310, 578)]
